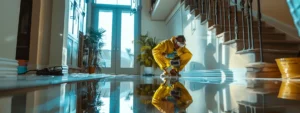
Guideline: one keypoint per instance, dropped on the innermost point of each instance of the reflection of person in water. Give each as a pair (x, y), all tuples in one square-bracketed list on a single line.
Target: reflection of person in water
[(172, 98)]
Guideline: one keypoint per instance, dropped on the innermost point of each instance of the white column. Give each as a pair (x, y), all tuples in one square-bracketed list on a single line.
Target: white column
[(40, 34), (59, 33)]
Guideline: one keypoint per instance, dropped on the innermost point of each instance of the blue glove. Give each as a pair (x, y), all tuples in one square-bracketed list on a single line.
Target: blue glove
[(171, 55)]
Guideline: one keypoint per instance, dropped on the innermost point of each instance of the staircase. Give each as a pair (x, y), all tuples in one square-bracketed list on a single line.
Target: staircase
[(249, 34)]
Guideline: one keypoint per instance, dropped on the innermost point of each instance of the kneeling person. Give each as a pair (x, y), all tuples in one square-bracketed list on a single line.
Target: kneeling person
[(172, 53)]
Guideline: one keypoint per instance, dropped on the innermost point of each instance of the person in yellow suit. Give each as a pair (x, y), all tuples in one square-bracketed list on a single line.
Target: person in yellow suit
[(169, 49)]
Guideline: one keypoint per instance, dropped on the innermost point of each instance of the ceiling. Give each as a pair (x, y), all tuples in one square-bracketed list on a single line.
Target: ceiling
[(162, 9)]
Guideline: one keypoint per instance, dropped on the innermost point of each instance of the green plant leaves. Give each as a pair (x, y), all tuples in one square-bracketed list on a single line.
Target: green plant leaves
[(146, 57), (93, 41)]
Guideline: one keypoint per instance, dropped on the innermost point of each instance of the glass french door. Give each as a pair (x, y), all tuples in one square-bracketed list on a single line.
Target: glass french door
[(118, 53)]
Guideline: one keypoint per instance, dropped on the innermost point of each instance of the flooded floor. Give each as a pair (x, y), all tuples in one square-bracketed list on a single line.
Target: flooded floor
[(138, 94), (135, 94)]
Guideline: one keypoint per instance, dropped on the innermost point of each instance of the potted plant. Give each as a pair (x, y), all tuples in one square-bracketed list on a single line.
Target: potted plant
[(93, 43), (146, 58)]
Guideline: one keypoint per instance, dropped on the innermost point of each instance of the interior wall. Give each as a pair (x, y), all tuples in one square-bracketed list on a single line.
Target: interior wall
[(278, 10), (182, 22), (9, 9), (156, 29)]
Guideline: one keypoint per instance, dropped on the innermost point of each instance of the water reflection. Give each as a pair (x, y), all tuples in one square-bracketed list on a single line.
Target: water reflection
[(171, 97), (136, 94), (192, 95), (290, 89)]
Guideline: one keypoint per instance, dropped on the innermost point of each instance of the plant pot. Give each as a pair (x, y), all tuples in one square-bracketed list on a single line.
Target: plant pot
[(148, 70), (289, 67), (92, 70), (289, 90)]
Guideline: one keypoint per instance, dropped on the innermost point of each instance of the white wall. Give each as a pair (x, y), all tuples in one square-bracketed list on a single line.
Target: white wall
[(9, 10), (182, 22), (156, 29)]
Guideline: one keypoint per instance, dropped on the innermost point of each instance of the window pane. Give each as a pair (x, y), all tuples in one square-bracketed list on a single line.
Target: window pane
[(105, 22), (124, 2), (106, 1), (127, 40), (114, 2), (71, 17)]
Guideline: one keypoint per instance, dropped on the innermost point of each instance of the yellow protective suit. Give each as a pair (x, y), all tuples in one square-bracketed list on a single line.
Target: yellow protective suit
[(168, 107), (167, 47)]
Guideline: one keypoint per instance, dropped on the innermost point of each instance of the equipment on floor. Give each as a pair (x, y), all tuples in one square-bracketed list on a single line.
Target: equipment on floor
[(51, 71)]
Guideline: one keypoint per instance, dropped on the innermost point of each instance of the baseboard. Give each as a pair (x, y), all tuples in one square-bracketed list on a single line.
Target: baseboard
[(8, 67), (287, 29)]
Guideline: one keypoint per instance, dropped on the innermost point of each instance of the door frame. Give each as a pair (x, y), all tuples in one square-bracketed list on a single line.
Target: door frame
[(116, 37)]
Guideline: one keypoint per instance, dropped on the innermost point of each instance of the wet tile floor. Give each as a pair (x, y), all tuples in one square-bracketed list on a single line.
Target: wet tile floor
[(139, 94), (134, 94)]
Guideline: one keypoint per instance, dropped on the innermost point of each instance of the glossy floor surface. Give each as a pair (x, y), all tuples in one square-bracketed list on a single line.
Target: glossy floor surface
[(137, 94), (208, 95)]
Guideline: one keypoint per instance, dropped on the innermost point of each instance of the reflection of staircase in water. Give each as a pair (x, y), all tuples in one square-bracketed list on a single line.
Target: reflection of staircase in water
[(263, 97)]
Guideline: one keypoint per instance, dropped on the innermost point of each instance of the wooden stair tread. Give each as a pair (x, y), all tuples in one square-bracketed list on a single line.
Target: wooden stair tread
[(278, 35), (268, 51), (264, 41), (268, 27), (220, 28), (263, 33), (269, 35)]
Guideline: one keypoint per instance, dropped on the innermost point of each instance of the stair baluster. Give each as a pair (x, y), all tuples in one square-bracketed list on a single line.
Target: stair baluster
[(216, 12), (209, 10), (197, 4), (236, 24), (224, 15), (260, 31), (229, 19), (251, 24), (220, 14), (248, 16), (213, 9), (242, 4), (202, 7)]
